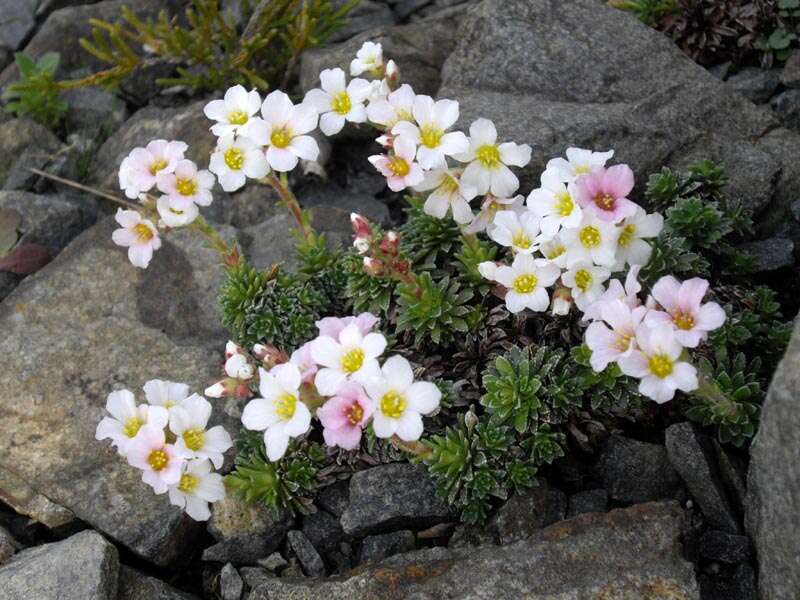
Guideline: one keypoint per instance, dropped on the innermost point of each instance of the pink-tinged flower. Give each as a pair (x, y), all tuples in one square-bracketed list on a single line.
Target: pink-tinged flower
[(432, 119), (393, 108), (139, 235), (490, 206), (187, 183), (305, 362), (684, 309), (127, 420), (333, 326), (345, 415), (614, 337), (161, 463), (604, 193), (656, 361), (139, 169), (175, 211), (233, 112), (578, 162), (399, 167), (627, 294)]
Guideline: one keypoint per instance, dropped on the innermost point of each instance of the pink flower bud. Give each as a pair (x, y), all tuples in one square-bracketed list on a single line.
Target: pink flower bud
[(372, 266), (360, 225)]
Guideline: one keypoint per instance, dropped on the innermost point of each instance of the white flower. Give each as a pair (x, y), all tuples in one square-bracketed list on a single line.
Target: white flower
[(555, 251), (490, 206), (555, 204), (609, 344), (526, 280), (351, 355), (446, 195), (592, 240), (283, 130), (487, 170), (520, 232), (279, 412), (188, 422), (161, 463), (236, 159), (488, 270), (368, 58), (232, 113), (399, 167), (197, 487), (139, 235), (585, 282), (578, 162), (656, 361), (175, 211), (238, 367), (127, 419), (631, 247), (399, 401), (393, 108), (337, 103), (139, 169), (187, 184), (168, 394), (627, 294), (433, 119)]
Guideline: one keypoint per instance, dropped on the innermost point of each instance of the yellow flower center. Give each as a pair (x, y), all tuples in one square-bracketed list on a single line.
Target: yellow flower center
[(234, 158), (604, 201), (520, 240), (341, 103), (280, 138), (188, 482), (488, 155), (525, 284), (660, 365), (430, 135), (555, 252), (285, 405), (624, 341), (352, 360), (355, 414), (590, 236), (186, 187), (157, 166), (583, 279), (399, 166), (194, 439), (143, 232), (564, 204), (683, 320), (393, 404), (157, 460), (403, 114), (237, 117), (626, 236), (132, 426), (449, 184), (581, 169)]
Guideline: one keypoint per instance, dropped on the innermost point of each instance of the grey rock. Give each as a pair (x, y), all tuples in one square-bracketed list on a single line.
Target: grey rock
[(795, 208), (255, 576), (274, 562), (335, 497), (82, 566), (631, 554), (755, 84), (733, 474), (391, 497), (725, 547), (23, 136), (771, 254), (787, 106), (366, 15), (587, 501), (517, 63), (18, 20), (418, 48), (230, 583), (329, 194), (134, 585), (635, 471), (468, 535), (306, 554), (51, 220), (524, 514), (790, 77), (773, 491), (404, 8), (140, 87), (23, 497), (94, 110), (322, 530), (8, 546), (741, 585), (378, 547), (244, 532), (781, 144), (62, 353), (690, 454), (8, 281)]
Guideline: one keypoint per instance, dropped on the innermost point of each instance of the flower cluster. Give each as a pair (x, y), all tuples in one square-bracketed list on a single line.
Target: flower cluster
[(338, 377), (168, 440)]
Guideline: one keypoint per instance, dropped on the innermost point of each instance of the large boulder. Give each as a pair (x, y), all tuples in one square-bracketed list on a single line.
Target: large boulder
[(577, 73), (773, 499), (626, 554), (88, 323)]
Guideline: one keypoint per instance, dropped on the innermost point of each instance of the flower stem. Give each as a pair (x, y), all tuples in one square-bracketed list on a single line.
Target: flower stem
[(226, 252), (416, 448), (709, 391), (290, 201)]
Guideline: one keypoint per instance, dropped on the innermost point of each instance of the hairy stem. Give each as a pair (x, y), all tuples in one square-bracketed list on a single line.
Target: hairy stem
[(290, 201), (709, 391), (415, 448)]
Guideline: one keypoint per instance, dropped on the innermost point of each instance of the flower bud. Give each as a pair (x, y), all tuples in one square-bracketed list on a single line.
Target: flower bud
[(386, 140), (372, 266), (390, 243), (238, 367), (562, 301), (361, 245), (360, 225), (269, 355)]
